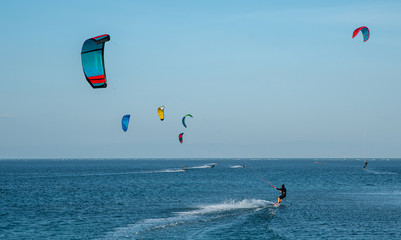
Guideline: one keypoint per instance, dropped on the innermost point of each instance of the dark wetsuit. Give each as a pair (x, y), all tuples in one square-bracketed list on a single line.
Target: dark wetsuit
[(283, 192)]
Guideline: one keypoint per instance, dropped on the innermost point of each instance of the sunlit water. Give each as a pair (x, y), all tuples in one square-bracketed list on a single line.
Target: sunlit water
[(160, 199)]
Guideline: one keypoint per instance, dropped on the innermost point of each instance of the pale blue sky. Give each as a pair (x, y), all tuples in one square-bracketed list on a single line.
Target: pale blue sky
[(262, 79)]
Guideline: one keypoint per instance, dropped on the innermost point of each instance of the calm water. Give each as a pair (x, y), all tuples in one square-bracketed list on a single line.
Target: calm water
[(156, 199)]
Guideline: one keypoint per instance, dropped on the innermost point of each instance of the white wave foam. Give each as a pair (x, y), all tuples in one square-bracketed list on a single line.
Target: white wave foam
[(237, 166), (132, 230)]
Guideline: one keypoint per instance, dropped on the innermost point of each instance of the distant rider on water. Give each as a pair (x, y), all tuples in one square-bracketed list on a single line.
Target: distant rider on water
[(366, 163)]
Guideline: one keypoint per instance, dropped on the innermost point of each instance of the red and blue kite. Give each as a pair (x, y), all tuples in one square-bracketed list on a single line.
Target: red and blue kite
[(180, 137), (93, 61), (365, 32)]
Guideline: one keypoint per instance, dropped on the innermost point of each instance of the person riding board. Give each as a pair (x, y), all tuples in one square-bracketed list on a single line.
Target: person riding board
[(366, 163), (283, 191)]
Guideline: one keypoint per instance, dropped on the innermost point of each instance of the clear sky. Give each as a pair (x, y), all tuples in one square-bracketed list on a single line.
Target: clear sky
[(263, 79)]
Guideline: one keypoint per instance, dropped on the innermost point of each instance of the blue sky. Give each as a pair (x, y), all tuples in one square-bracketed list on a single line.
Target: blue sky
[(263, 79)]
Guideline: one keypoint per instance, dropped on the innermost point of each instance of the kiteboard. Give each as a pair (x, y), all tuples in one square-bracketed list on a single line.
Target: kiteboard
[(277, 204)]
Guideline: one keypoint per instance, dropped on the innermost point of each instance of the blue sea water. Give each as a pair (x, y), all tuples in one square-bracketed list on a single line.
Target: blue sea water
[(157, 199)]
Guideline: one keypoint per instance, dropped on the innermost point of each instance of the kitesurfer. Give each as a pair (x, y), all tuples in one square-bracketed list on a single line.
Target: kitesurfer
[(212, 166), (366, 163), (283, 191), (244, 166)]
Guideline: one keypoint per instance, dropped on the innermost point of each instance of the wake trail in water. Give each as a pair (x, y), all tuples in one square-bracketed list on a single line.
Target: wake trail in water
[(203, 213), (166, 171), (237, 166), (197, 167), (380, 173), (256, 204), (208, 165)]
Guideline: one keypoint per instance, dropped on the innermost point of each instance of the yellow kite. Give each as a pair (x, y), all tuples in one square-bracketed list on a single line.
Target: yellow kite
[(160, 111)]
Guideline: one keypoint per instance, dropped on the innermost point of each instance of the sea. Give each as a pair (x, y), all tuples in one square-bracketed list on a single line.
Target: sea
[(190, 199)]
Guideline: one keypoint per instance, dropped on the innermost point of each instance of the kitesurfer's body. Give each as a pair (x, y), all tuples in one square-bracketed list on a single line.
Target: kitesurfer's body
[(283, 191), (366, 163), (212, 166)]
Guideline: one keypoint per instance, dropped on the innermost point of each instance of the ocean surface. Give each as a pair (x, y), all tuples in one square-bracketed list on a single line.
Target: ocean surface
[(158, 199)]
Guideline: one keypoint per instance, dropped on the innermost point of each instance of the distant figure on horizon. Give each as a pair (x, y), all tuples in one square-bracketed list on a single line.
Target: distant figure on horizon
[(212, 166), (283, 191), (366, 163), (244, 166)]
